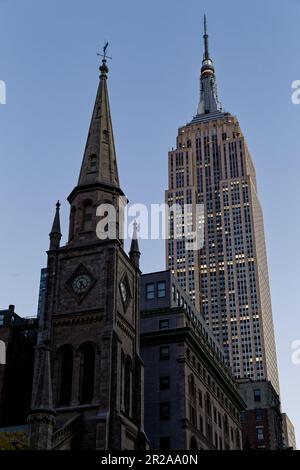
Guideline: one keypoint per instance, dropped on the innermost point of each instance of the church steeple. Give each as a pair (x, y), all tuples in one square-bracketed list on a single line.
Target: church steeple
[(98, 182), (209, 102), (99, 162)]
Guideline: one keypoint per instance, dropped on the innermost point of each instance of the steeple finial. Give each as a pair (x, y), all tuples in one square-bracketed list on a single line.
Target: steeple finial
[(55, 234), (135, 253), (104, 68)]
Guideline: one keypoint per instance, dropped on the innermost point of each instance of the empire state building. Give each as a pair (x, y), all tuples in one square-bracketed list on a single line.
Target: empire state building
[(228, 277)]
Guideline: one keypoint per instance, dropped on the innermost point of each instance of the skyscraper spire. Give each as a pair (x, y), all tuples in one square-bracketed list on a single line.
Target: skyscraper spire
[(55, 234), (209, 102), (99, 162), (206, 52)]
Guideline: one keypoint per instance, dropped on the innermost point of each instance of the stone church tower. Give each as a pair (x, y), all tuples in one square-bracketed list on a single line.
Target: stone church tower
[(88, 377)]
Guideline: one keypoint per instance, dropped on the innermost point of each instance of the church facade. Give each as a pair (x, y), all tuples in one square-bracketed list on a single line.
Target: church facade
[(88, 376)]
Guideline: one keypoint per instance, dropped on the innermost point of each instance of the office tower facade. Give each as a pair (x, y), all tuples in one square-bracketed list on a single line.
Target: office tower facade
[(289, 437), (228, 277), (88, 376), (191, 399), (262, 420)]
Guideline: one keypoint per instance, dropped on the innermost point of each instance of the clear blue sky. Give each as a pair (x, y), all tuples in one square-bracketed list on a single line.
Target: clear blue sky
[(48, 61)]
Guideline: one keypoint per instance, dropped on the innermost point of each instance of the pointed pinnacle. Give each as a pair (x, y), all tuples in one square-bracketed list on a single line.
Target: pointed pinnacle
[(134, 240), (56, 221)]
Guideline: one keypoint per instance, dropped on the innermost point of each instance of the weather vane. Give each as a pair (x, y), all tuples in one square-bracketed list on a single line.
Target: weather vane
[(104, 52)]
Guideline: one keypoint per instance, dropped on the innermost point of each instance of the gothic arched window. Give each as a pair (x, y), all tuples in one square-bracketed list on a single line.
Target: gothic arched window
[(87, 218), (127, 385), (66, 375), (87, 373)]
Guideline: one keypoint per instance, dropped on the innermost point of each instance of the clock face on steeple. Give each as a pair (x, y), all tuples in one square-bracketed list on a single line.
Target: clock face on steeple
[(125, 292), (81, 283)]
